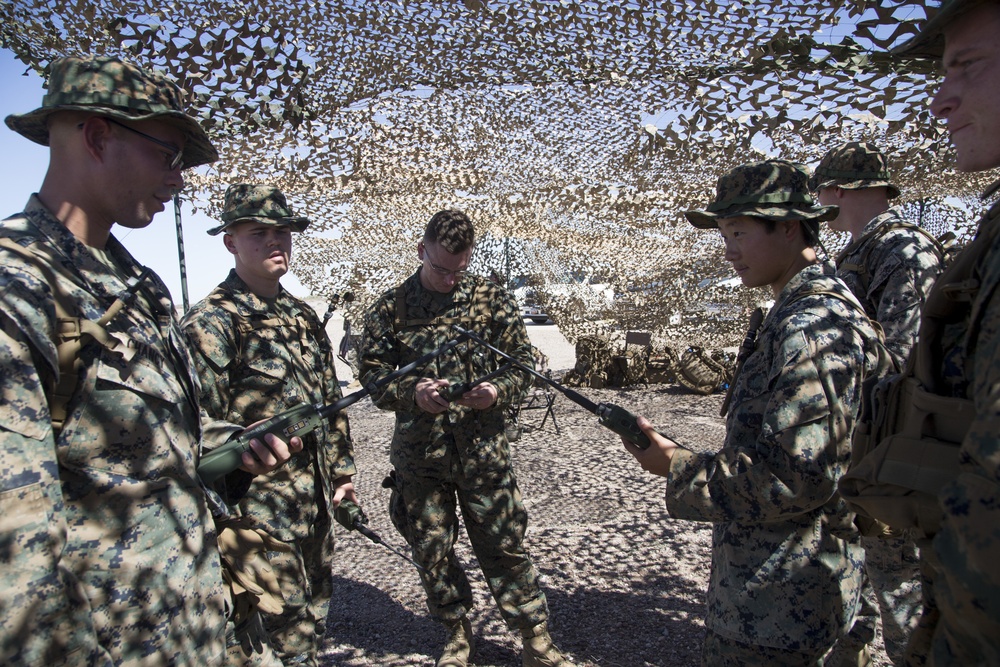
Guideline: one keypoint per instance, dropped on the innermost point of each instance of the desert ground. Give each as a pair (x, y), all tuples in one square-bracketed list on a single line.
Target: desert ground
[(625, 583)]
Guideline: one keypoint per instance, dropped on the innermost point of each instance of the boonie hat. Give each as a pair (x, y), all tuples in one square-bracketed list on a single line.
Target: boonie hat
[(259, 203), (117, 89), (853, 166), (773, 189), (929, 42)]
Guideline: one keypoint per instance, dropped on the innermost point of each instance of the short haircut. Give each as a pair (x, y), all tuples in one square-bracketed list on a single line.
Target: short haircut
[(452, 229), (810, 229)]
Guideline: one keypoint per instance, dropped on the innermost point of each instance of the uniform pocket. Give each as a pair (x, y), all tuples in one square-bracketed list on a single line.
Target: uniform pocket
[(27, 549)]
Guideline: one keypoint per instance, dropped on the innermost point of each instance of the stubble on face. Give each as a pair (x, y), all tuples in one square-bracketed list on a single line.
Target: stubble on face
[(969, 97)]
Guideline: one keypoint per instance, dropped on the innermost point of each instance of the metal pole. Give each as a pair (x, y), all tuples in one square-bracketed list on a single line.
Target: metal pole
[(506, 257), (180, 250)]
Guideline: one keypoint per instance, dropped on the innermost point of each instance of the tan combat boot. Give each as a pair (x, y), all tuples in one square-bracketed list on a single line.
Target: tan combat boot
[(460, 645), (539, 651)]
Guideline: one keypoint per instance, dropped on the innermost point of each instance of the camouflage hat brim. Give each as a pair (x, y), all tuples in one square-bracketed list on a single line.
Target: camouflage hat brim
[(710, 219), (297, 223), (198, 149), (858, 184), (929, 42)]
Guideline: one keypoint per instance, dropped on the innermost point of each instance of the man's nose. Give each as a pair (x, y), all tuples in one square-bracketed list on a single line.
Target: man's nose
[(944, 102)]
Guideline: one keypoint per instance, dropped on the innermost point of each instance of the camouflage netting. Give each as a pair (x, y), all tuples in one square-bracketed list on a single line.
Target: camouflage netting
[(574, 132)]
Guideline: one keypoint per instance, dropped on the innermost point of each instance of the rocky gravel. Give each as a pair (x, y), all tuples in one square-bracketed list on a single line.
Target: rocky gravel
[(625, 583)]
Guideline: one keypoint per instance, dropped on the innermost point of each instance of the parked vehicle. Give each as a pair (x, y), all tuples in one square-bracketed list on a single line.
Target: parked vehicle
[(534, 313)]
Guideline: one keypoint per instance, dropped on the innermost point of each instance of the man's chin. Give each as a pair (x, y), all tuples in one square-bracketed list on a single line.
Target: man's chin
[(139, 222), (968, 162)]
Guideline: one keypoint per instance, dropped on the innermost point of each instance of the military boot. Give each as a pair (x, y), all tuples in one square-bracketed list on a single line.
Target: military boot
[(460, 645), (537, 649)]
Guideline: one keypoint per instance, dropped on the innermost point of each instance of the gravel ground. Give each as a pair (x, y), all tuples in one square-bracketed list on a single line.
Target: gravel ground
[(625, 583)]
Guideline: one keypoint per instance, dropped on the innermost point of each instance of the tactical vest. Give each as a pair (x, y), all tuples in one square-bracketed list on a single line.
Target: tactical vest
[(869, 241), (71, 332), (909, 447)]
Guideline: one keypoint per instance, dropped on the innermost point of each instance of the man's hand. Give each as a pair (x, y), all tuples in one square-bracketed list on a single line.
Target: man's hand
[(427, 396), (265, 457), (343, 489), (480, 397), (656, 458)]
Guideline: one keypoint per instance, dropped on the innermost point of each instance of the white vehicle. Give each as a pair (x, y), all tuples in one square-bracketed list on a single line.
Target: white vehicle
[(534, 313)]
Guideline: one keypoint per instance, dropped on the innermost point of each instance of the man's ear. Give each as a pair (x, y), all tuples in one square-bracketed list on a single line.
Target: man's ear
[(227, 240), (96, 136), (793, 227)]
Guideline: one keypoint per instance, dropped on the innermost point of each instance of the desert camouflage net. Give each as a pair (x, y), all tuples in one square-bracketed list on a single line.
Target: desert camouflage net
[(573, 132)]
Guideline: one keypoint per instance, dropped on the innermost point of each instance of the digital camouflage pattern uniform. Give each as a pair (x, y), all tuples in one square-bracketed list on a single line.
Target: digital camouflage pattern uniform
[(961, 617), (460, 452), (902, 267), (257, 358), (786, 557), (108, 543), (892, 264), (890, 268), (960, 624)]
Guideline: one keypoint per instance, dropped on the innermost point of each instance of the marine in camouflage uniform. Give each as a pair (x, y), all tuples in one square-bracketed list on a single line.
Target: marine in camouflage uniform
[(890, 266), (443, 453), (109, 553), (786, 557), (961, 616), (261, 351)]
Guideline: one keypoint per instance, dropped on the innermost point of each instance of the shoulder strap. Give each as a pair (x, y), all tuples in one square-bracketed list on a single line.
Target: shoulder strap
[(850, 299), (71, 332)]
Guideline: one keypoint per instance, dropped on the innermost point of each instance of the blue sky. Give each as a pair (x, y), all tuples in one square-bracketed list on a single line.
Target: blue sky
[(22, 171)]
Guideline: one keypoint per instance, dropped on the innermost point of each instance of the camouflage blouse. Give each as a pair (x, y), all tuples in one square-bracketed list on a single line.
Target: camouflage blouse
[(109, 542), (968, 545), (257, 358), (786, 559), (900, 266), (474, 440)]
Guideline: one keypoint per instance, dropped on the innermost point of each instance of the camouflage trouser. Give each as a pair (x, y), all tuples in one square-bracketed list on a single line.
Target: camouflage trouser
[(893, 568), (306, 584), (891, 590), (719, 651), (944, 637), (496, 521)]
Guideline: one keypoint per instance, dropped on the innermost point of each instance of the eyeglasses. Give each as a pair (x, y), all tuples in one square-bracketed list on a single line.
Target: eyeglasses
[(176, 158), (441, 271)]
